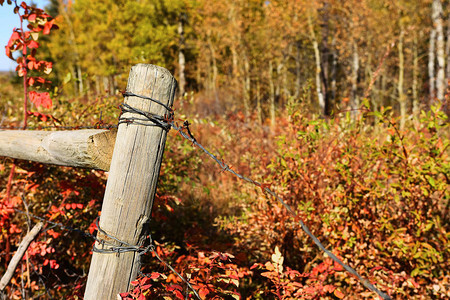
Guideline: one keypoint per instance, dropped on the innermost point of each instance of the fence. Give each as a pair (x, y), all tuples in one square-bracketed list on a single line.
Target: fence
[(134, 168)]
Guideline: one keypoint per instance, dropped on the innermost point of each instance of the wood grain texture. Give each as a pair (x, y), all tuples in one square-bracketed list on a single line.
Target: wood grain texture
[(131, 184), (88, 148)]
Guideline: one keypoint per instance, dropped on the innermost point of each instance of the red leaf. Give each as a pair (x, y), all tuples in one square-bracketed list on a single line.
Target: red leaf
[(141, 297), (174, 287), (255, 265), (178, 294), (203, 292), (8, 52), (32, 17), (12, 40), (40, 99), (145, 287), (48, 26), (33, 44), (31, 65)]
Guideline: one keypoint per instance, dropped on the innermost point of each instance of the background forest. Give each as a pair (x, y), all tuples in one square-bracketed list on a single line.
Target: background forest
[(341, 106)]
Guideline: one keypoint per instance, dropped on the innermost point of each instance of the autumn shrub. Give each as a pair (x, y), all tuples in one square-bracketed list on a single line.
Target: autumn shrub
[(374, 195), (377, 197)]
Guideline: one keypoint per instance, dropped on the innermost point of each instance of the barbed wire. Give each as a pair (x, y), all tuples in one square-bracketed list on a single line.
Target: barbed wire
[(185, 132), (167, 122), (113, 248)]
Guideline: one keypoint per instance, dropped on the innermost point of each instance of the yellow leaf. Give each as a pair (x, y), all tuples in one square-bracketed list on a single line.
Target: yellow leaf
[(35, 35), (338, 293)]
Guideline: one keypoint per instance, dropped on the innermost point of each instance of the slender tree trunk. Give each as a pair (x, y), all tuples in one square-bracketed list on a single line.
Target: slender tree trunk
[(437, 13), (415, 104), (181, 57), (246, 85), (272, 96), (355, 70), (383, 90), (258, 102), (325, 54), (234, 61), (214, 64), (401, 66), (334, 56), (448, 49), (74, 81), (431, 59), (215, 71), (235, 42), (105, 84), (278, 93), (80, 79), (298, 79), (97, 84), (320, 96), (72, 42), (286, 91)]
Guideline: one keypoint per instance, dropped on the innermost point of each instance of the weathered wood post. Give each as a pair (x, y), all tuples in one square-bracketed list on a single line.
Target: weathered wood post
[(131, 184)]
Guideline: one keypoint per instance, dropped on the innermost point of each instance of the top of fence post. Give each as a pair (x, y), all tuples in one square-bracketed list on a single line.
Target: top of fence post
[(132, 182)]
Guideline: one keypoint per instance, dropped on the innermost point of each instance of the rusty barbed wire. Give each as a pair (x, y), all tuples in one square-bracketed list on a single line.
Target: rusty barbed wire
[(167, 122), (186, 133)]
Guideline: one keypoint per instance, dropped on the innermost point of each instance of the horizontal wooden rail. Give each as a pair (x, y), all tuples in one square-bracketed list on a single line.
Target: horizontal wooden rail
[(87, 148)]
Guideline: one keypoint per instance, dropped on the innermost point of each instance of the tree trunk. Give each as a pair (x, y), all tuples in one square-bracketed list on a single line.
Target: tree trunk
[(437, 13), (80, 79), (246, 85), (355, 70), (272, 96), (181, 57), (214, 65), (298, 79), (415, 102), (334, 56), (325, 54), (448, 49), (258, 102), (279, 90), (74, 80), (320, 96), (215, 71), (73, 43), (431, 59), (401, 67)]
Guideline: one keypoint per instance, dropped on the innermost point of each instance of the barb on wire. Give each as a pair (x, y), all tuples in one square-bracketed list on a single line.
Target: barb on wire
[(155, 119), (188, 135)]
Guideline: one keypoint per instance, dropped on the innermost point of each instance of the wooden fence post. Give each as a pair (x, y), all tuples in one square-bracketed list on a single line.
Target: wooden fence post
[(131, 184)]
